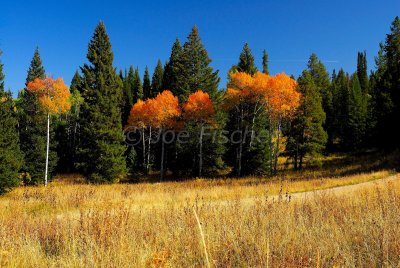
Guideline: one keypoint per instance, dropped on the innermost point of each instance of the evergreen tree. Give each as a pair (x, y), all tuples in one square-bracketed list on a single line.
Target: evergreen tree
[(137, 87), (128, 94), (171, 76), (362, 72), (265, 62), (307, 135), (195, 72), (67, 129), (322, 82), (32, 129), (10, 155), (246, 61), (157, 80), (340, 89), (101, 149), (386, 93), (356, 117), (146, 84)]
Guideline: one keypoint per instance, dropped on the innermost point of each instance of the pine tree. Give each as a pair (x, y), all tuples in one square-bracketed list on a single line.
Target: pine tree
[(128, 94), (146, 84), (10, 155), (171, 80), (386, 92), (195, 72), (265, 62), (101, 149), (67, 129), (32, 129), (157, 80), (307, 136), (356, 117), (362, 72), (322, 82), (137, 87), (246, 61)]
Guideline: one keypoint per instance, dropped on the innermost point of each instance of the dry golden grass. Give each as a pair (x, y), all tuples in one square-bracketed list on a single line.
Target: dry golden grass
[(154, 225)]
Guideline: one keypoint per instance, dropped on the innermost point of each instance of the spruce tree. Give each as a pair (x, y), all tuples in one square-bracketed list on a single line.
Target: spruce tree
[(265, 62), (137, 87), (307, 136), (67, 129), (387, 91), (157, 80), (32, 129), (362, 72), (321, 80), (11, 157), (146, 84), (101, 148), (195, 71), (129, 97), (246, 61), (356, 117), (171, 76)]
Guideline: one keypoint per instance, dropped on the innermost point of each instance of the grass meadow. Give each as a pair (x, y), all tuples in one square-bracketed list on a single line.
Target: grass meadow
[(248, 222)]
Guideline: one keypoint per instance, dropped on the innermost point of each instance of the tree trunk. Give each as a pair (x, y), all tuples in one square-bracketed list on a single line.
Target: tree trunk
[(144, 151), (277, 148), (47, 150), (296, 156), (162, 158), (201, 152), (148, 153)]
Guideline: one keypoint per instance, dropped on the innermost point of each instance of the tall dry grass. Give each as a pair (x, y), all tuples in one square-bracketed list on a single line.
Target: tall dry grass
[(154, 225)]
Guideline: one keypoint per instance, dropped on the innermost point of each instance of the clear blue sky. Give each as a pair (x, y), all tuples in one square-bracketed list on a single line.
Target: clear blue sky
[(143, 31)]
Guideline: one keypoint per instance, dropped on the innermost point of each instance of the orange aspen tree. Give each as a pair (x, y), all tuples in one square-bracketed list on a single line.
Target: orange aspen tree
[(199, 109), (277, 94), (167, 111), (54, 98), (159, 113)]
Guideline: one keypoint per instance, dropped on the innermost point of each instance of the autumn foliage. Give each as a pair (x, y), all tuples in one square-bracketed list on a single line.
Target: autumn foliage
[(199, 108), (160, 112), (53, 94), (277, 93)]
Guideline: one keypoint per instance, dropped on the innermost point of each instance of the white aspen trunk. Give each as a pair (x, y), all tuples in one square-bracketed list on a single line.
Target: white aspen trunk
[(277, 147), (144, 150), (162, 158), (148, 153), (47, 150), (201, 152)]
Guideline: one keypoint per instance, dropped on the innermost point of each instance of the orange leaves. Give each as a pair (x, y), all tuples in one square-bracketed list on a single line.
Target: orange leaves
[(199, 108), (160, 112), (53, 95), (167, 109), (278, 93)]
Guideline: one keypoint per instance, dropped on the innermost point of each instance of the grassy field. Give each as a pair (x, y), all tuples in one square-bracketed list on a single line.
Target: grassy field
[(156, 224)]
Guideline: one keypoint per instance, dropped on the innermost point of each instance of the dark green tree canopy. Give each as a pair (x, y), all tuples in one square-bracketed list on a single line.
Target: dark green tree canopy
[(101, 150), (11, 157), (265, 62), (246, 61)]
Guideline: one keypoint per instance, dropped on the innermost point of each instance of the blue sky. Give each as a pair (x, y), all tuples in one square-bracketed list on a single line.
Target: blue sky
[(143, 31)]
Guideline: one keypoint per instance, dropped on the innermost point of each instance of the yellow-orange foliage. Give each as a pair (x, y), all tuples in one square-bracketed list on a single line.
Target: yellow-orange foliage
[(160, 112), (199, 108), (53, 94), (278, 93)]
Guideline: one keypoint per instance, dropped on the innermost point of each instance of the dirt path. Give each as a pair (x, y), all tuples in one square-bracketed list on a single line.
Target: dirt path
[(339, 190), (346, 189)]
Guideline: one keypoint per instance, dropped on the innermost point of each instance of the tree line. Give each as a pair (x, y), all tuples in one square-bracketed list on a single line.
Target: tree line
[(112, 126)]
